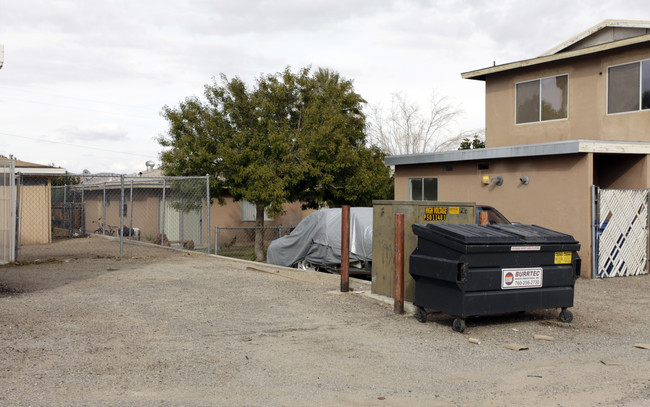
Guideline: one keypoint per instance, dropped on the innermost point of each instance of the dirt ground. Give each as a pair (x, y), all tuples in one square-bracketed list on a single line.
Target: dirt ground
[(168, 328)]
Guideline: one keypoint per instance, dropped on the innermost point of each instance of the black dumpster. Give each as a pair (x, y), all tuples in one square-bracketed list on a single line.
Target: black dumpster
[(473, 270)]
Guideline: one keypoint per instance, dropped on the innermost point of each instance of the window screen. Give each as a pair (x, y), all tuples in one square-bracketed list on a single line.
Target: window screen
[(430, 189), (554, 97), (542, 99), (528, 102), (415, 188), (623, 88)]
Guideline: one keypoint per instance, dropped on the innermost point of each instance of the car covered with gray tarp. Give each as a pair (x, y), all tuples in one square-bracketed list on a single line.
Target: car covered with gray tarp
[(316, 242)]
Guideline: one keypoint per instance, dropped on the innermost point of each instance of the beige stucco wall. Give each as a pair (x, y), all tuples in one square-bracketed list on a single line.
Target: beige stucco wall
[(587, 107), (229, 215), (558, 196), (146, 212)]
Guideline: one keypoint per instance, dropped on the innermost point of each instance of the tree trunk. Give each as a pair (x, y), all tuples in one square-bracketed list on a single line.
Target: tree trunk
[(259, 233)]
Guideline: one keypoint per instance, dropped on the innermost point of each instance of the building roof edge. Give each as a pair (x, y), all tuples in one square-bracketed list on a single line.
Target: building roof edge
[(481, 74), (524, 150)]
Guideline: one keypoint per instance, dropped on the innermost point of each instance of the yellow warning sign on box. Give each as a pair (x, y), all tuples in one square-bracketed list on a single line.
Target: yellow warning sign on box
[(432, 214), (454, 210), (562, 257)]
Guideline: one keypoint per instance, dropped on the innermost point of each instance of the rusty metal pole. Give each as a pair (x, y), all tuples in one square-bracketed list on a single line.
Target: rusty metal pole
[(345, 248), (483, 218), (398, 291)]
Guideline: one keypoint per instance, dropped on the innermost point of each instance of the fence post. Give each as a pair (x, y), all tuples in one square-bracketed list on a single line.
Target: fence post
[(104, 210), (18, 183), (216, 239), (64, 209), (398, 287), (207, 204), (594, 231), (345, 248), (162, 225), (131, 213), (120, 231), (83, 209)]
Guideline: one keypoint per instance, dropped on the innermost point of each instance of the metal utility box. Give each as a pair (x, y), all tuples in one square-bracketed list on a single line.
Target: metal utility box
[(383, 236), (471, 270)]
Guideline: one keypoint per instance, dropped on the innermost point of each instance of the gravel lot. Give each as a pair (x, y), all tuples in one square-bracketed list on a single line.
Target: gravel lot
[(169, 328)]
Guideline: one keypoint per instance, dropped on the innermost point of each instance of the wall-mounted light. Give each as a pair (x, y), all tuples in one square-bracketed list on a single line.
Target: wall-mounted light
[(498, 181), (524, 179)]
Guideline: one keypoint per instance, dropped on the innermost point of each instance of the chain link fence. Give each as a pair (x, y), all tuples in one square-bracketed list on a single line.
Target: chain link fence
[(239, 242), (110, 215)]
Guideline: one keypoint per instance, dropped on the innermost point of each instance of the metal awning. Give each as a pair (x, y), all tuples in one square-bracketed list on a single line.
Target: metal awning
[(526, 150)]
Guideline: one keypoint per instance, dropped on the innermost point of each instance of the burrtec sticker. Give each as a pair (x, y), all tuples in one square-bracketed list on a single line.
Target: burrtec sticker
[(526, 277)]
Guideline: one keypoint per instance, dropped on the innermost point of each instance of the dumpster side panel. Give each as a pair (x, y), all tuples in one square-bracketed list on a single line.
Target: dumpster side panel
[(498, 302), (489, 279), (436, 268), (448, 295)]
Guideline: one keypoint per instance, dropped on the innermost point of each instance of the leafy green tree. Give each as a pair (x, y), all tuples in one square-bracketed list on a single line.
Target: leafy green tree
[(66, 179), (475, 142), (291, 137)]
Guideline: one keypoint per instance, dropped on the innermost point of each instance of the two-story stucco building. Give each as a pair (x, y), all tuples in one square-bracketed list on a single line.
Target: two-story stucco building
[(559, 127)]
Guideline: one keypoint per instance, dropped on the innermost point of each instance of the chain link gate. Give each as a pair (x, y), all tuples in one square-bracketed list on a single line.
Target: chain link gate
[(7, 212), (621, 232)]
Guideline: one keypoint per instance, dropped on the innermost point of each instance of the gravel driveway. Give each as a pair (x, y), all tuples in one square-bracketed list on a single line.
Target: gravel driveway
[(176, 329)]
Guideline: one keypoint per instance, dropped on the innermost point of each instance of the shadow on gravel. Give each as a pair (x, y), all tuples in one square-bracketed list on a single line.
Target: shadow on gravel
[(42, 267), (16, 279), (546, 315)]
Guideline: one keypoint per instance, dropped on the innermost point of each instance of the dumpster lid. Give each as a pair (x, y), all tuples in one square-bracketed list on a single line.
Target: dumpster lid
[(494, 234)]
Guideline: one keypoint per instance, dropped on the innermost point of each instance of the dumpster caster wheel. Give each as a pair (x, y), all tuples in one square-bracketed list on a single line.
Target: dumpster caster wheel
[(458, 325), (566, 316), (421, 314)]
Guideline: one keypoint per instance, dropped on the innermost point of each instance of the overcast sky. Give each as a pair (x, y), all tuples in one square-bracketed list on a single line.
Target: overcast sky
[(83, 82)]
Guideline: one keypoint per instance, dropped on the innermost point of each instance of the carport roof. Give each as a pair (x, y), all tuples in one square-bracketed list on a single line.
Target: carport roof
[(526, 150), (28, 168)]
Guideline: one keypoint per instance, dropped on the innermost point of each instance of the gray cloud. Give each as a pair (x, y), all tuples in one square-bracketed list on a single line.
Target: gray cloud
[(104, 131)]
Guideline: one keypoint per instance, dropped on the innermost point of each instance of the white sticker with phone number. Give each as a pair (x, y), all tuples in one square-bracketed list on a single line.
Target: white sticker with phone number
[(529, 277)]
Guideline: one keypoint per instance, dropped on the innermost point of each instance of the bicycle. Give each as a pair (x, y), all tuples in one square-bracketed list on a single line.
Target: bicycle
[(105, 229)]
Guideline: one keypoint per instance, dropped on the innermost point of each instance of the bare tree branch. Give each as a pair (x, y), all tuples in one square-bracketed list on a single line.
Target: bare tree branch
[(406, 129)]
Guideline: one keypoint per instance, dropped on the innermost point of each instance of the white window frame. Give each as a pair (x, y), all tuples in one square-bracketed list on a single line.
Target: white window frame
[(422, 180), (248, 212), (539, 120), (640, 109)]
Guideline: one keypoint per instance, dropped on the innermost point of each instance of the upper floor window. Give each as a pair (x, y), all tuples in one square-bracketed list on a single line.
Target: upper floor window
[(423, 189), (542, 99), (628, 87)]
